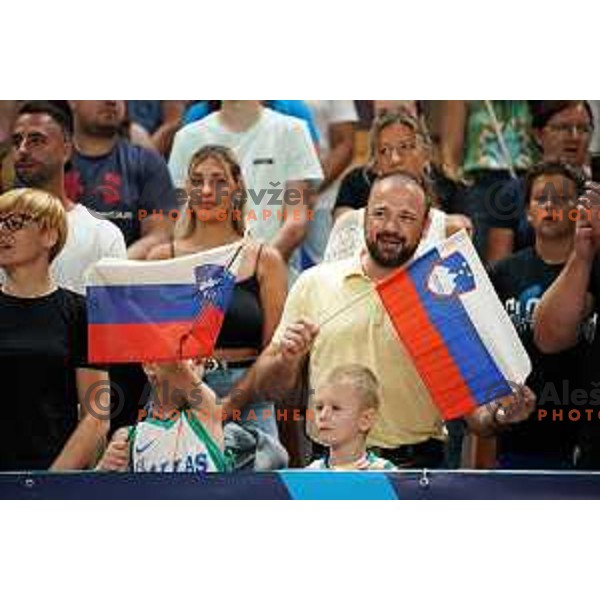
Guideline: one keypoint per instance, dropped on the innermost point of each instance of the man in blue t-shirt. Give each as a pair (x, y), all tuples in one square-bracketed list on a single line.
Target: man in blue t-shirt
[(126, 184)]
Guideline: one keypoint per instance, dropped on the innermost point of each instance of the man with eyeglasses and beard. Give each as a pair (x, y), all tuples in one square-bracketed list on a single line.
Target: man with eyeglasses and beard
[(410, 431)]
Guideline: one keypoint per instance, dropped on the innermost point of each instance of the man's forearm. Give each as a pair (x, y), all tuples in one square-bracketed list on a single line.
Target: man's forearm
[(452, 135), (84, 446), (271, 379), (563, 307), (163, 137), (290, 236), (481, 422), (277, 378), (335, 164), (298, 207)]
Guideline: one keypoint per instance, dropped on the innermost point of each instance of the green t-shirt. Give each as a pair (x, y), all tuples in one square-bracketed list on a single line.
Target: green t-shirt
[(482, 148)]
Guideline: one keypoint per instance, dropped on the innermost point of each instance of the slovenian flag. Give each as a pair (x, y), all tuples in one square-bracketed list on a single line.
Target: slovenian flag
[(450, 320), (147, 311)]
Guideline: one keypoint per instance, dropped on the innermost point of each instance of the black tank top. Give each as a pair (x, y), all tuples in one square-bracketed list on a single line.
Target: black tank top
[(243, 323)]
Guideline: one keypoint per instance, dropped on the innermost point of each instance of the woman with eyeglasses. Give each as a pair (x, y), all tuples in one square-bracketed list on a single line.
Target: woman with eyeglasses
[(213, 216), (55, 405), (399, 141)]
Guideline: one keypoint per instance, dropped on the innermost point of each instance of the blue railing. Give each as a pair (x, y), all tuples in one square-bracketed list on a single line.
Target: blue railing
[(285, 485)]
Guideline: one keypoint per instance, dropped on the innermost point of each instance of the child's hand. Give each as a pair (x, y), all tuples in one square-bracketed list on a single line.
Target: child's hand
[(116, 456)]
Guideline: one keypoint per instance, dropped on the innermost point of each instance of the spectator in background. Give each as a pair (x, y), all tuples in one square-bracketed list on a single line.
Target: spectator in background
[(53, 414), (397, 140), (42, 146), (381, 106), (8, 114), (487, 142), (279, 164), (117, 180), (520, 281), (335, 121), (595, 143), (159, 120), (131, 187), (564, 309), (563, 130), (291, 108)]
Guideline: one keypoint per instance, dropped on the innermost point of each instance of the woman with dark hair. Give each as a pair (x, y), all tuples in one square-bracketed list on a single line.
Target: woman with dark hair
[(212, 217)]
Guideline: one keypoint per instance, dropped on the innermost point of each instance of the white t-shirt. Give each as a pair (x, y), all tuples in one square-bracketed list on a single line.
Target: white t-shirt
[(327, 113), (180, 445), (89, 239), (275, 150)]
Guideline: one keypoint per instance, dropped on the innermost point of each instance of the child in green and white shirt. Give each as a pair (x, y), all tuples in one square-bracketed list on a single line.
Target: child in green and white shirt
[(183, 433)]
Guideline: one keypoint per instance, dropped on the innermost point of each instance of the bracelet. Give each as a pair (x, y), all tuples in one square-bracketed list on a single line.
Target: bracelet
[(497, 424)]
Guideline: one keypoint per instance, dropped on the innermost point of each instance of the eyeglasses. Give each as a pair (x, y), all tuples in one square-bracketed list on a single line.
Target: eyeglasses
[(553, 200), (400, 149), (15, 222), (567, 128)]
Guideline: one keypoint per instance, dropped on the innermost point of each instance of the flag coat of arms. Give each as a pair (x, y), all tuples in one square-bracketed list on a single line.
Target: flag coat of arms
[(146, 311), (448, 317)]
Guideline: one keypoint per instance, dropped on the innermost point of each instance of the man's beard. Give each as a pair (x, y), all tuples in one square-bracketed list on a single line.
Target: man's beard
[(34, 179), (390, 260), (102, 130)]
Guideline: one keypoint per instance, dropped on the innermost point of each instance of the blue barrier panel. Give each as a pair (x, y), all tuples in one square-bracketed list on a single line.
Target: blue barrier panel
[(142, 486), (496, 485), (311, 485), (308, 485)]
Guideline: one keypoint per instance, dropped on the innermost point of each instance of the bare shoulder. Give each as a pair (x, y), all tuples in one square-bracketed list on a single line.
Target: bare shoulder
[(271, 269), (268, 258)]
